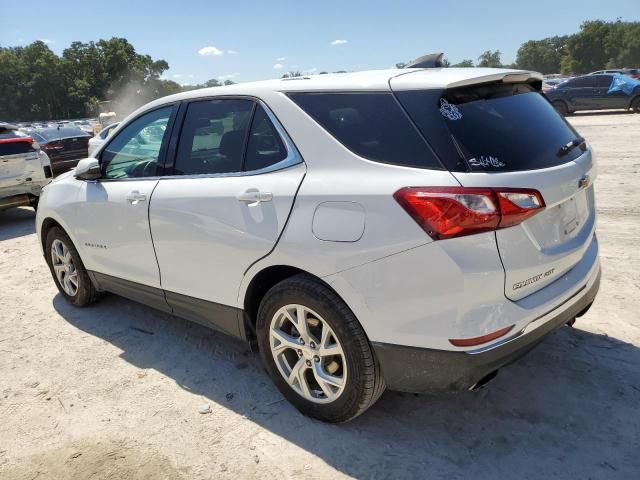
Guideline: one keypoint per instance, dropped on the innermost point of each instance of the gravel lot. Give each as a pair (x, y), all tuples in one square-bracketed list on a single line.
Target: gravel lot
[(114, 391)]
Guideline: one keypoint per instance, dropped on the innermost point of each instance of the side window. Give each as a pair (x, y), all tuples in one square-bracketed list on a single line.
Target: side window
[(371, 125), (135, 151), (602, 81), (213, 137), (582, 82), (265, 147)]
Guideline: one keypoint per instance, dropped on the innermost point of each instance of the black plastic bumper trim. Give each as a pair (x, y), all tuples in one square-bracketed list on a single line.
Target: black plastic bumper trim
[(422, 370)]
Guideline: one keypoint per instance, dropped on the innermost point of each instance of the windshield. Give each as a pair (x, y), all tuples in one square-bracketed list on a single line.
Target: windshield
[(491, 128)]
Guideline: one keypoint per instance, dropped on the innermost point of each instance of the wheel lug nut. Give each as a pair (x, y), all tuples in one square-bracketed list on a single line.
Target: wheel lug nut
[(301, 341), (316, 358), (312, 345), (308, 363), (299, 353)]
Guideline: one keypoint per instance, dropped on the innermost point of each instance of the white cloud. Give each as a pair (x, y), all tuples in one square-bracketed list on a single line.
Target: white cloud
[(228, 76), (278, 66), (339, 42), (46, 40), (211, 51), (232, 52), (281, 59)]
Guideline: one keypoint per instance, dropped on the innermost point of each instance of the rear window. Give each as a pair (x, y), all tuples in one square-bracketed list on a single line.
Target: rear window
[(491, 128), (371, 125)]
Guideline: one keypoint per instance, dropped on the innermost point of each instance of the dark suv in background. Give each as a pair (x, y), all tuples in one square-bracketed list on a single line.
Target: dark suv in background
[(591, 92)]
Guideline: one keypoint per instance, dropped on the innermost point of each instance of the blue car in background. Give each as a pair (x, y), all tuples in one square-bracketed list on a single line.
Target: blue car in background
[(595, 92)]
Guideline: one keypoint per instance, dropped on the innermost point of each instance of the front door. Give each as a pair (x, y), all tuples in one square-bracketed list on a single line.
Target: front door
[(114, 211), (233, 185)]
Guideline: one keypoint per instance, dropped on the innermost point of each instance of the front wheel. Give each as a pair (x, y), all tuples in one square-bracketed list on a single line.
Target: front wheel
[(67, 269), (316, 351), (635, 105)]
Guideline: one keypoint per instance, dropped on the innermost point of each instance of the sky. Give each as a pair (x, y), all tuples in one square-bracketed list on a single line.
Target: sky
[(244, 40)]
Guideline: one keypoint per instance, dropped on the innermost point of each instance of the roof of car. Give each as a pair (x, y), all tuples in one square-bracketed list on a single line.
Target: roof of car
[(370, 80), (373, 80)]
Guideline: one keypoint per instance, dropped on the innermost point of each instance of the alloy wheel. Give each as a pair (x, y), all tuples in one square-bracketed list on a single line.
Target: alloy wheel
[(307, 353), (64, 268)]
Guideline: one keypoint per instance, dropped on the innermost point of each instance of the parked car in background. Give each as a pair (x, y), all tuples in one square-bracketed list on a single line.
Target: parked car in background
[(633, 72), (594, 92), (611, 71), (64, 145), (96, 142), (403, 228), (24, 169)]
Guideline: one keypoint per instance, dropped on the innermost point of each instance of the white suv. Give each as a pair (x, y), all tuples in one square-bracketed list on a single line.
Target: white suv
[(416, 229)]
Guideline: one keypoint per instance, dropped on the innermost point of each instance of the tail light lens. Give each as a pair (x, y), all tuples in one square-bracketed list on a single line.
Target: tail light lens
[(53, 146), (447, 212)]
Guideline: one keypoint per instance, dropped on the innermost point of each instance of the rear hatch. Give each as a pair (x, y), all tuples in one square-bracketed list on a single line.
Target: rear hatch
[(15, 151), (502, 133), (72, 148)]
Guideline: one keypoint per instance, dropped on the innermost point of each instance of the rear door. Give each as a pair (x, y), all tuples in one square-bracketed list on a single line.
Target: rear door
[(223, 206), (508, 135)]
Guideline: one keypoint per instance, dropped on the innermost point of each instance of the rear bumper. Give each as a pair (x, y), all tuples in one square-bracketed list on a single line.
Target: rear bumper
[(422, 370)]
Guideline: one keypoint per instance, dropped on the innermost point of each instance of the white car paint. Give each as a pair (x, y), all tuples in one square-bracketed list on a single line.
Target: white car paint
[(197, 236)]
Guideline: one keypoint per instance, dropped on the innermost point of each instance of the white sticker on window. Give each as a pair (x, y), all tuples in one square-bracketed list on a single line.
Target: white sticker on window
[(486, 161), (449, 110)]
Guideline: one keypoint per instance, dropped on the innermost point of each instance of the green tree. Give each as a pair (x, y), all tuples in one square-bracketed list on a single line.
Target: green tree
[(542, 55), (463, 64), (490, 59)]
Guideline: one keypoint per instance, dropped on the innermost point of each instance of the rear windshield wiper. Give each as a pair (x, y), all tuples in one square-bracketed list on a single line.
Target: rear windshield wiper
[(571, 145)]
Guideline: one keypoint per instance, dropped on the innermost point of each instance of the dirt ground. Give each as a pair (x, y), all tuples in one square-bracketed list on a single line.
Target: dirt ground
[(114, 391)]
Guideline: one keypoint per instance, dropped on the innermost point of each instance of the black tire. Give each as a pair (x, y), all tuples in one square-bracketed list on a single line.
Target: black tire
[(561, 108), (34, 203), (86, 292), (364, 383), (635, 105)]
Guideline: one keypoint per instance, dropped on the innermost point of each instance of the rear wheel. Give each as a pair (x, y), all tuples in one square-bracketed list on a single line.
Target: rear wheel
[(67, 269), (561, 108), (316, 351), (635, 105)]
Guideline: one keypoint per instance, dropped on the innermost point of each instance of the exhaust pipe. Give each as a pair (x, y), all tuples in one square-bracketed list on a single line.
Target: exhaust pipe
[(480, 384)]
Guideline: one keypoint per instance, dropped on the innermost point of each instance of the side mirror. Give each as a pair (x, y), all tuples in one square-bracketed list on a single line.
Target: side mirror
[(88, 169)]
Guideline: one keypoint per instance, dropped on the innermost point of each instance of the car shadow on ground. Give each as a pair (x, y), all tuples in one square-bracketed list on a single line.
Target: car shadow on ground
[(17, 222), (566, 410)]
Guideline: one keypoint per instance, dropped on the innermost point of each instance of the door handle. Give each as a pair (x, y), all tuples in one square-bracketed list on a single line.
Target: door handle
[(135, 196), (253, 196)]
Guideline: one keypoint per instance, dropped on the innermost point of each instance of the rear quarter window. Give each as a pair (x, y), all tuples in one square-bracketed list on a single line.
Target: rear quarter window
[(371, 125)]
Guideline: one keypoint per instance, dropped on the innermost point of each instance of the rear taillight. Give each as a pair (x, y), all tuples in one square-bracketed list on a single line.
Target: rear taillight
[(446, 212), (53, 146)]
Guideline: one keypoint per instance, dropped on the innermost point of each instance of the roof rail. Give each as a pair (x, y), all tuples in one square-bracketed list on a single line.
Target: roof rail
[(432, 60)]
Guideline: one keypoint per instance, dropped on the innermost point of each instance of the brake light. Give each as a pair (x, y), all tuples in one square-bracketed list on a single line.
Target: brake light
[(446, 212), (53, 146), (16, 140)]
